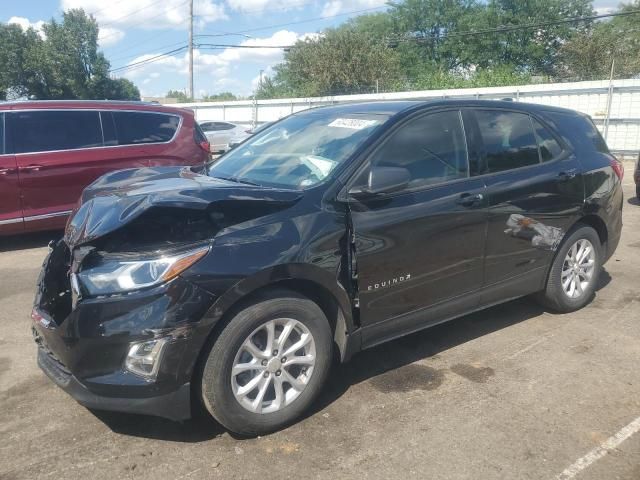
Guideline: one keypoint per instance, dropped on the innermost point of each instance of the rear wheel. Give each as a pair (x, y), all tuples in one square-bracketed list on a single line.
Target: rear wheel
[(574, 273), (268, 364)]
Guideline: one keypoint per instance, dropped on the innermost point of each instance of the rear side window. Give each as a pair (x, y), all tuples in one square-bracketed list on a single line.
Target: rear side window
[(549, 146), (133, 128), (43, 131), (198, 134), (432, 148), (508, 139)]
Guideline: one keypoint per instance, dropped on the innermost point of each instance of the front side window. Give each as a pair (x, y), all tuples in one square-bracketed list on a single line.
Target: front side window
[(508, 139), (133, 128), (299, 151), (43, 131), (432, 148)]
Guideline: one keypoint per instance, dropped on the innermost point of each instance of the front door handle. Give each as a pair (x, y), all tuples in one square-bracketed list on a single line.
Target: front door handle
[(567, 175), (470, 199), (31, 168), (5, 171)]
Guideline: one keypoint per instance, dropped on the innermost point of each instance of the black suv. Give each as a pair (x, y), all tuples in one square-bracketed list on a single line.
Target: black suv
[(333, 230)]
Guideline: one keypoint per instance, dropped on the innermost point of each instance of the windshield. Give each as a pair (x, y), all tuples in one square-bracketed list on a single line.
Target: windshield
[(299, 151)]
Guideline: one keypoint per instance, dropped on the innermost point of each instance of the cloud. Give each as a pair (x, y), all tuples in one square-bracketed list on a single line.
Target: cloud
[(25, 24), (258, 6), (148, 14), (108, 36), (216, 68), (335, 7)]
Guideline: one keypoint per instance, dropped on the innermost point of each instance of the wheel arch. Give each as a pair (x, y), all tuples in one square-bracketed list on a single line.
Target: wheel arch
[(598, 224), (312, 282)]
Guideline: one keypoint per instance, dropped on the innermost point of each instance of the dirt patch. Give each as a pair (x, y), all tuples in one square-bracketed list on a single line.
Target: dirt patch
[(408, 378), (473, 373), (5, 362)]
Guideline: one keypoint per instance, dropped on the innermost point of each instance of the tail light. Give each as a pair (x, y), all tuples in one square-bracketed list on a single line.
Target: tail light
[(618, 167), (205, 145)]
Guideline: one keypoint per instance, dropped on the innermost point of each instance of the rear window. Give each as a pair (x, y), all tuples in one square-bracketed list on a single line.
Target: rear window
[(133, 128), (508, 139), (43, 131)]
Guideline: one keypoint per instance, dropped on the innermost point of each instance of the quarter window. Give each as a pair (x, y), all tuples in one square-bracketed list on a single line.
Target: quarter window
[(549, 146), (432, 148), (134, 128), (508, 140), (42, 131)]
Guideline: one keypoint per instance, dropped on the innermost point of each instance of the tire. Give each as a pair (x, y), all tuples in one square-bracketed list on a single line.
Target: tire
[(224, 395), (555, 295), (638, 191)]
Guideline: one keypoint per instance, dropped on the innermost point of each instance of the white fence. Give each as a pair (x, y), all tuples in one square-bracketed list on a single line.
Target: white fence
[(614, 107)]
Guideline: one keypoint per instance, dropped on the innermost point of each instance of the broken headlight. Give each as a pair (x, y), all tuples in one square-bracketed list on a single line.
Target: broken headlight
[(115, 275)]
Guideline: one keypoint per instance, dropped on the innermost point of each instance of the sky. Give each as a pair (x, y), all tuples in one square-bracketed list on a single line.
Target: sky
[(134, 30)]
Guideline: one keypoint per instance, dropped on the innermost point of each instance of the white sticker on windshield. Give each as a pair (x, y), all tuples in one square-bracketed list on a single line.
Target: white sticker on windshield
[(352, 123)]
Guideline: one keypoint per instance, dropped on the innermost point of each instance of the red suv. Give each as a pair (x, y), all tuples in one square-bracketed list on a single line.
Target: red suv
[(51, 150)]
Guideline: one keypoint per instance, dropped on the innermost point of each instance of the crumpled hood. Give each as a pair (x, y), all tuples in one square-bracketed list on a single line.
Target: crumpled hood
[(117, 198)]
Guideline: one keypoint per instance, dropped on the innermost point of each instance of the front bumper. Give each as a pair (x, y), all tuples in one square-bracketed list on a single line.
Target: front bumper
[(83, 348), (174, 405)]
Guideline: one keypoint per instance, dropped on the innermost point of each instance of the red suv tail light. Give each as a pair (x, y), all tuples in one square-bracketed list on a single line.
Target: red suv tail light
[(205, 145), (618, 167)]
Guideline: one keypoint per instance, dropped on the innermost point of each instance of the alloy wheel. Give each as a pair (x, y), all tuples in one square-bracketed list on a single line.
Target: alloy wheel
[(578, 268), (273, 365)]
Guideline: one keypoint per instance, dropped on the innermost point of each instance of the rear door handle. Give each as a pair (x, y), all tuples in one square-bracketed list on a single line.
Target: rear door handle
[(31, 168), (469, 199), (567, 175)]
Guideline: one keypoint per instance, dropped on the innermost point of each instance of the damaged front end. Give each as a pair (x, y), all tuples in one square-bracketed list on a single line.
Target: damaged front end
[(118, 326)]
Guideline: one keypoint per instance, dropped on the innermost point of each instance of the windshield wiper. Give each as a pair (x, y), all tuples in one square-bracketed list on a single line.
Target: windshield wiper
[(239, 180)]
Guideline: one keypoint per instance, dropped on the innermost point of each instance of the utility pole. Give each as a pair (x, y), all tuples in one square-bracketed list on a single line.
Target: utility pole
[(609, 99), (191, 50)]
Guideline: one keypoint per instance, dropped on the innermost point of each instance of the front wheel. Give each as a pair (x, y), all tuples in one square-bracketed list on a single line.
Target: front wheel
[(268, 364), (574, 272)]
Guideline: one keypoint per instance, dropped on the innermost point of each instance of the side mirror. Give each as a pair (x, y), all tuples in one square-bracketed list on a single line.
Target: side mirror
[(383, 180)]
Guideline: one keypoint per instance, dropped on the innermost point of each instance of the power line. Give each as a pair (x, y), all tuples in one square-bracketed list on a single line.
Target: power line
[(150, 59), (132, 13), (124, 67), (457, 34), (511, 28), (118, 19), (308, 20)]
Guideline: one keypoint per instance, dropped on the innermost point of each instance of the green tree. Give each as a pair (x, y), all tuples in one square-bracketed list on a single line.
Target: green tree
[(588, 55), (18, 77), (179, 95), (219, 97), (66, 64), (340, 61)]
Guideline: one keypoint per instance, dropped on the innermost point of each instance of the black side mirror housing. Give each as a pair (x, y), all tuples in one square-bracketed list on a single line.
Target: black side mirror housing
[(383, 180)]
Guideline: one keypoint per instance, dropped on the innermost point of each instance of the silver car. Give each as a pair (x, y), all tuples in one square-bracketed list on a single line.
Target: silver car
[(220, 134)]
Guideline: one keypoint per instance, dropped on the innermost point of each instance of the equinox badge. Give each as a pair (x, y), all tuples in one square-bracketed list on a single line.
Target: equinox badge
[(389, 282)]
